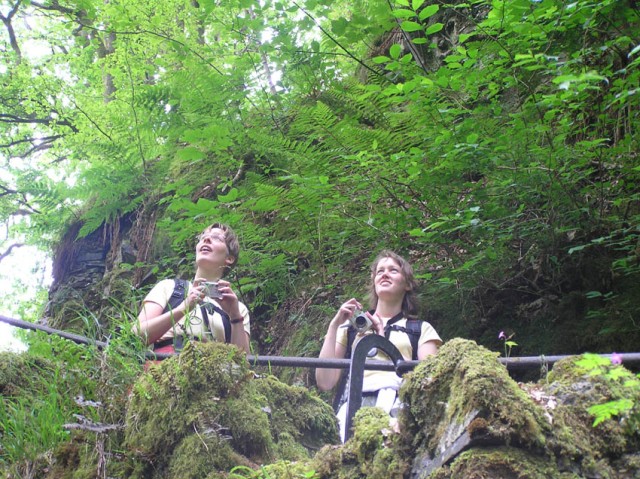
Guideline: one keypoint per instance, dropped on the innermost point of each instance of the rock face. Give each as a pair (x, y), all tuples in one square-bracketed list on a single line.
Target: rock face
[(82, 269)]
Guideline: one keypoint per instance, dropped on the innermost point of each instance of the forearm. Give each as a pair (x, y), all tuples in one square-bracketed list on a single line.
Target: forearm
[(152, 328), (239, 336), (327, 378), (427, 349)]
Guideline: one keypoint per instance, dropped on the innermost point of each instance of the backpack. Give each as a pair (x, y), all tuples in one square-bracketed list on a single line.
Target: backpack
[(413, 329), (178, 295)]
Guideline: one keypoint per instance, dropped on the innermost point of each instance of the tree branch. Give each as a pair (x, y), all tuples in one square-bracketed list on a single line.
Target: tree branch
[(46, 139), (12, 34), (376, 72), (4, 191), (55, 7), (8, 251), (9, 118)]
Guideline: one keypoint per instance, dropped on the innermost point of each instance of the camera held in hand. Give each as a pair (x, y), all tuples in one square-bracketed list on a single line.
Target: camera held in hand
[(211, 290), (360, 322)]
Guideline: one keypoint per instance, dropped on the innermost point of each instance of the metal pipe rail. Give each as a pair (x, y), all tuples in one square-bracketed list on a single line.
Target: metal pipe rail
[(517, 363)]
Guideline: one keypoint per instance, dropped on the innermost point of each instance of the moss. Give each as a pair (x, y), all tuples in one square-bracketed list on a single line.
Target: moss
[(297, 414), (287, 470), (198, 454), (367, 436), (500, 462), (370, 453), (287, 446), (17, 373), (206, 403), (463, 382), (628, 465), (179, 393), (79, 458), (574, 436), (328, 461), (249, 426), (204, 414)]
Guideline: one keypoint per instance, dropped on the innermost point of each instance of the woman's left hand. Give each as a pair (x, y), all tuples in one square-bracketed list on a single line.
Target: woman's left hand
[(229, 300), (376, 323)]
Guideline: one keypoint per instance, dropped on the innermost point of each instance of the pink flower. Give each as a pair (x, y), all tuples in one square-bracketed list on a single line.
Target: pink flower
[(502, 335), (616, 358)]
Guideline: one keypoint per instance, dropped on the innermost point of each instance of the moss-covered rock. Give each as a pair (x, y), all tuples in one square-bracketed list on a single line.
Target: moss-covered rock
[(501, 462), (464, 395), (205, 414), (371, 453), (21, 373), (465, 417), (205, 411), (576, 441)]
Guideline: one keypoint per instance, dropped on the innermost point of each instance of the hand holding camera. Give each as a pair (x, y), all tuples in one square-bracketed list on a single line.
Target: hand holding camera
[(211, 290), (360, 322)]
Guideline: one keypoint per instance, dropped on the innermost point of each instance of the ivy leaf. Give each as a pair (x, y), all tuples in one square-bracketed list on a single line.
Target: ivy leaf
[(395, 51), (403, 13), (409, 26), (463, 37), (416, 4), (381, 59), (428, 11), (436, 27)]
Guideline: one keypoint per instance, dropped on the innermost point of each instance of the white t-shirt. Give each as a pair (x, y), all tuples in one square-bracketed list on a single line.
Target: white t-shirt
[(193, 323)]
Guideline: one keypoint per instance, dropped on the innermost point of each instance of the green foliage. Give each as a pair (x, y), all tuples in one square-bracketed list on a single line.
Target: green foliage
[(492, 143), (58, 385), (32, 426), (625, 407)]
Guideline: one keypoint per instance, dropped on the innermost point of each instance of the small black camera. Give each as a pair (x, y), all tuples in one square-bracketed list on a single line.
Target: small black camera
[(360, 322)]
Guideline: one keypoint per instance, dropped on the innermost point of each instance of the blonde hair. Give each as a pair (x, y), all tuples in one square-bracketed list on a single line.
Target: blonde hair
[(410, 300)]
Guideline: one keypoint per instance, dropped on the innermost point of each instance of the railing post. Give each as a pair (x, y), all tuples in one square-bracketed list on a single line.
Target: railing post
[(356, 372)]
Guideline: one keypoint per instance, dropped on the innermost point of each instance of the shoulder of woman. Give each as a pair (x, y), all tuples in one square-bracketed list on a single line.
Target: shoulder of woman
[(243, 309), (167, 284)]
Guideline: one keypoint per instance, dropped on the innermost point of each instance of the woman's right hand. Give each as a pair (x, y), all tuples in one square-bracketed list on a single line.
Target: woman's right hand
[(345, 312), (196, 294), (331, 349)]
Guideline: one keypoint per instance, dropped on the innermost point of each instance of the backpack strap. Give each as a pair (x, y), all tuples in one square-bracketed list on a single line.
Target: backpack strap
[(177, 297), (413, 329), (178, 294), (226, 321)]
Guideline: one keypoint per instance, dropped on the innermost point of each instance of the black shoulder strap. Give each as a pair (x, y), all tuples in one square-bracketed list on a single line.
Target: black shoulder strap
[(178, 294), (226, 321), (413, 329)]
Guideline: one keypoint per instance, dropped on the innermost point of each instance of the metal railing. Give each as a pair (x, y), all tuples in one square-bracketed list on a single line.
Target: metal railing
[(514, 363), (357, 364)]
